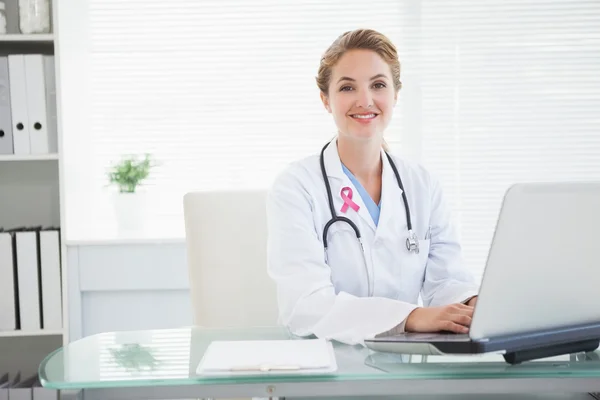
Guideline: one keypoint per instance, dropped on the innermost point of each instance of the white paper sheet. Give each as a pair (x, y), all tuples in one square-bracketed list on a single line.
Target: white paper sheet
[(259, 357)]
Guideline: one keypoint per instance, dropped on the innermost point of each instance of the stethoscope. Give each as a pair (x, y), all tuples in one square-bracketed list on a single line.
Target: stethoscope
[(412, 242)]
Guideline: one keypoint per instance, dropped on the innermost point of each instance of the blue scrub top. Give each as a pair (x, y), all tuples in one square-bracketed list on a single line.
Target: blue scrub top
[(373, 208)]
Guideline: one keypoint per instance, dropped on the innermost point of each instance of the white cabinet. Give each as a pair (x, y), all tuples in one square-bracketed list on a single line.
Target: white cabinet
[(127, 286)]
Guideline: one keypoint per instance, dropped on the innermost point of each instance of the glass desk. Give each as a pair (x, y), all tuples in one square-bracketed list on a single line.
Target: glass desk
[(161, 364)]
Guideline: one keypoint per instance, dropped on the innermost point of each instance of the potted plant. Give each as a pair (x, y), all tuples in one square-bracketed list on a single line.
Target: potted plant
[(129, 173), (129, 202)]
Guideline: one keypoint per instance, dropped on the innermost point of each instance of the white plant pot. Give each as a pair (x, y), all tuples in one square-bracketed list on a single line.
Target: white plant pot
[(130, 210)]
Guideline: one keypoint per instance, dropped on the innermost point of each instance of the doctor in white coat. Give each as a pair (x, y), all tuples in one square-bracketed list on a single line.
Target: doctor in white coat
[(353, 289)]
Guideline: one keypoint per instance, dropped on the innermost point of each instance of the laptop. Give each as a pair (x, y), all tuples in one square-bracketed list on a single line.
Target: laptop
[(540, 292)]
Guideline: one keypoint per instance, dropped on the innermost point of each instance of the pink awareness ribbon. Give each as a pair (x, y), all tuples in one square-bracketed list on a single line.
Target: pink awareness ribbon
[(346, 194)]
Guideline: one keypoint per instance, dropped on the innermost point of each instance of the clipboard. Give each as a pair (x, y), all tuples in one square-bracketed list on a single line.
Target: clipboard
[(268, 357)]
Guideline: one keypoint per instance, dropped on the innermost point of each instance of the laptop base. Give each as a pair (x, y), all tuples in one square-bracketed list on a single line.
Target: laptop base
[(515, 348), (517, 357)]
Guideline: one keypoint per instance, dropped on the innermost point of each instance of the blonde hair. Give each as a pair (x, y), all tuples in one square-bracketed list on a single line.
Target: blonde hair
[(366, 39)]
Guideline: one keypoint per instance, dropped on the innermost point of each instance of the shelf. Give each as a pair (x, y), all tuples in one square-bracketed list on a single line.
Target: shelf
[(30, 333), (28, 157), (17, 38)]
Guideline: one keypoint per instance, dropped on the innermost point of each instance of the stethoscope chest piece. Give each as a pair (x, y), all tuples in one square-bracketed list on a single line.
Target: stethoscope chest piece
[(412, 242)]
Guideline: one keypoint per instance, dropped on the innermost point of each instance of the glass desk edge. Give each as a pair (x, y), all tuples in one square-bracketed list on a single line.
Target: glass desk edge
[(374, 370)]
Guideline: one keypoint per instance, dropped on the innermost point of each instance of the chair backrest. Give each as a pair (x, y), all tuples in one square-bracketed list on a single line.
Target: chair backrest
[(226, 239)]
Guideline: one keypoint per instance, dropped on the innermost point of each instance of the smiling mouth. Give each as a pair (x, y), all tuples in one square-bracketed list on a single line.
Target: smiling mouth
[(364, 116)]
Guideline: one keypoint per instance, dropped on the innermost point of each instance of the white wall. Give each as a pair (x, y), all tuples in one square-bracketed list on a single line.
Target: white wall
[(73, 114)]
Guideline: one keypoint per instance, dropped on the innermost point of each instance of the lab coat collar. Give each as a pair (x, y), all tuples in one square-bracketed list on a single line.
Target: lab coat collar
[(333, 164), (389, 190)]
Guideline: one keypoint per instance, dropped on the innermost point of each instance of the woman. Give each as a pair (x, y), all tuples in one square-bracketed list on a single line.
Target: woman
[(329, 283)]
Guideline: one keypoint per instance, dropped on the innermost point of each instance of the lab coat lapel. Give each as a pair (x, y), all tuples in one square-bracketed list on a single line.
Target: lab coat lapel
[(392, 206), (338, 181)]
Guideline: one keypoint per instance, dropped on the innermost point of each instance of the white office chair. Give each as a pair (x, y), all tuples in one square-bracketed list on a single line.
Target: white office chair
[(226, 237)]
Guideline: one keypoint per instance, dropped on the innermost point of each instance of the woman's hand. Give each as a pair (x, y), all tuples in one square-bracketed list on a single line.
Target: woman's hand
[(472, 301), (452, 318)]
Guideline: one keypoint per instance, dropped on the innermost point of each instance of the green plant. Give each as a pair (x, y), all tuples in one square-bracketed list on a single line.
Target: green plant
[(130, 172)]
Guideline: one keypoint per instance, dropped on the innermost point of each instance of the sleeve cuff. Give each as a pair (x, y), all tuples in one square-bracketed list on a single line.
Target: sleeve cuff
[(394, 331)]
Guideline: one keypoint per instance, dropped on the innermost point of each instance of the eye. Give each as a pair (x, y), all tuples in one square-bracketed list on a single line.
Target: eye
[(345, 88), (379, 85)]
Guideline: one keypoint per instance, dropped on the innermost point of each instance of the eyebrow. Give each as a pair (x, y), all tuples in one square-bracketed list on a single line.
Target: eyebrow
[(345, 78)]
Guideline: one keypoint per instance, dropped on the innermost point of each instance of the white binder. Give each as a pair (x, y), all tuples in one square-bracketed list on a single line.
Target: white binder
[(36, 103), (27, 278), (18, 102), (6, 137), (22, 389), (8, 316), (50, 277), (51, 109)]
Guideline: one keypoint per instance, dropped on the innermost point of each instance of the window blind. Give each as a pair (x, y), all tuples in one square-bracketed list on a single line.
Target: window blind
[(221, 93), (507, 91)]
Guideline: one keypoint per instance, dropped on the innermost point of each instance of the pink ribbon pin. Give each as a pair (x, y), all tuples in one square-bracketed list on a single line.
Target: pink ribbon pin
[(346, 194)]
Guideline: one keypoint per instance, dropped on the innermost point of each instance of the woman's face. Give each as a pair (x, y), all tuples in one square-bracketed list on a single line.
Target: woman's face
[(361, 95)]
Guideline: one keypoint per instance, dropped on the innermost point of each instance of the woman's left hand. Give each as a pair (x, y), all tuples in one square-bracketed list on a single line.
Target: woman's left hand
[(472, 302)]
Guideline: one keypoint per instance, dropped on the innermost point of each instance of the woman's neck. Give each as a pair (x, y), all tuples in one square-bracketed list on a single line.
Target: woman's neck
[(363, 159)]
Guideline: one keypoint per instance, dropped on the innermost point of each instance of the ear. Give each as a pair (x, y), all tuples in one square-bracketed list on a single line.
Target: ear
[(396, 97), (325, 101)]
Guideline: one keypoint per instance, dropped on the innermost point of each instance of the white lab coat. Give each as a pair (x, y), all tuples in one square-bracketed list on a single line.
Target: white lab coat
[(329, 296)]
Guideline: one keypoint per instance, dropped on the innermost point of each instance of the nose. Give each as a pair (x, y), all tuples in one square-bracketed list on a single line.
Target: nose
[(364, 99)]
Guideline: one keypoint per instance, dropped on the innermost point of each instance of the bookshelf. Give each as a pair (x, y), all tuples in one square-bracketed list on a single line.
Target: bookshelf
[(12, 334), (30, 188), (20, 38), (29, 157)]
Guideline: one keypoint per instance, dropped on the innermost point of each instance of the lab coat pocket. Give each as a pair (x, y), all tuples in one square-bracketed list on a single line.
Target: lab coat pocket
[(412, 269), (421, 259), (423, 256)]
